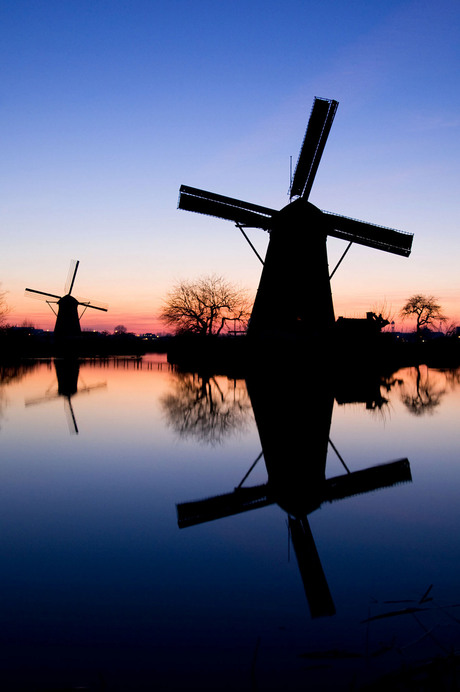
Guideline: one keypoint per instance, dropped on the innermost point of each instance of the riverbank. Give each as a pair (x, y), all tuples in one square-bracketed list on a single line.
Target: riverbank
[(16, 344), (336, 352)]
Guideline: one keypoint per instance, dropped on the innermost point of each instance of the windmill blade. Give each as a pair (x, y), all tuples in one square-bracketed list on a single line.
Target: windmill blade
[(229, 504), (96, 305), (318, 128), (41, 399), (71, 277), (71, 420), (42, 293), (311, 570), (244, 213), (367, 480), (370, 235), (87, 389)]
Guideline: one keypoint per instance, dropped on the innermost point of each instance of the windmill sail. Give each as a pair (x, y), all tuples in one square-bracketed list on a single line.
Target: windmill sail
[(367, 480), (43, 293), (371, 235), (92, 304), (226, 505), (336, 488), (311, 570), (245, 213), (318, 129), (71, 277)]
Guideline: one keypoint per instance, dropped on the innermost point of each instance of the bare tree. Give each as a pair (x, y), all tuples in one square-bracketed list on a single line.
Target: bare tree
[(423, 395), (4, 308), (384, 311), (206, 306), (207, 408), (425, 309), (120, 329), (449, 328)]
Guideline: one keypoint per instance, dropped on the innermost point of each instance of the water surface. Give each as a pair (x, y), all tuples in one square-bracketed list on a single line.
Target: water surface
[(102, 589)]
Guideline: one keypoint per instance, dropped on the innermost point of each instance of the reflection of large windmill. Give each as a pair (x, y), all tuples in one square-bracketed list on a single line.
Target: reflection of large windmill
[(67, 373), (296, 264), (294, 444), (67, 317)]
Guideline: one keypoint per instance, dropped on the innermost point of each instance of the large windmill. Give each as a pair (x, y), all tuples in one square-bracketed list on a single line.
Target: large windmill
[(296, 275), (67, 316)]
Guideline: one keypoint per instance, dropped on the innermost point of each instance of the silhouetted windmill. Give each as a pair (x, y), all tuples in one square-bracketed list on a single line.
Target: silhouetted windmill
[(295, 272), (67, 317)]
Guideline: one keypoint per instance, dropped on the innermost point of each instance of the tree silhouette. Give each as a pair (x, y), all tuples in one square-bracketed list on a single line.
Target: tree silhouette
[(424, 395), (4, 309), (425, 309), (206, 408), (120, 329), (206, 306)]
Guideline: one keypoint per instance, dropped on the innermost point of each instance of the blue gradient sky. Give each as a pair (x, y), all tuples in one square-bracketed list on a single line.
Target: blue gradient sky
[(107, 106)]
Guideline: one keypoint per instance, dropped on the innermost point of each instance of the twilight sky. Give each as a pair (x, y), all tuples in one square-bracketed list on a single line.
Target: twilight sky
[(107, 106)]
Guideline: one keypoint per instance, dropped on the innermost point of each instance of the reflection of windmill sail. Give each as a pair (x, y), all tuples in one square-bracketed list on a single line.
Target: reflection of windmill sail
[(337, 488), (295, 448), (67, 373), (67, 318), (311, 570), (296, 263), (240, 500)]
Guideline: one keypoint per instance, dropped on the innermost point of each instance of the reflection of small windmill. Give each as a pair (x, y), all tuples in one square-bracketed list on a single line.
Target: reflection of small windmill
[(296, 264), (295, 443), (67, 317), (67, 372)]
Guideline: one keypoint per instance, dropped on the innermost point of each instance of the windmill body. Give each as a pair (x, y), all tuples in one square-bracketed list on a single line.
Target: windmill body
[(67, 317), (296, 275)]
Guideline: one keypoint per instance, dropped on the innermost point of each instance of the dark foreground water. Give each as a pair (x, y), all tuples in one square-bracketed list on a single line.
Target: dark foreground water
[(137, 554)]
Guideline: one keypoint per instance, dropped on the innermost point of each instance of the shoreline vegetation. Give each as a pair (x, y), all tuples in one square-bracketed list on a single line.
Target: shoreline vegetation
[(237, 353), (335, 352), (20, 343)]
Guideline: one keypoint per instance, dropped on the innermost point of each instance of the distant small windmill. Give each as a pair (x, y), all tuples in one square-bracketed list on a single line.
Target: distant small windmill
[(295, 279), (67, 317)]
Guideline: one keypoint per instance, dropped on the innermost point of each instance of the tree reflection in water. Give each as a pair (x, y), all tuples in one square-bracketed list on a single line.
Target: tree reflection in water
[(207, 408), (425, 389), (10, 373)]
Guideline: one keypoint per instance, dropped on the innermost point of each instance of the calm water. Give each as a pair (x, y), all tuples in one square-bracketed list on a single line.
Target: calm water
[(282, 586)]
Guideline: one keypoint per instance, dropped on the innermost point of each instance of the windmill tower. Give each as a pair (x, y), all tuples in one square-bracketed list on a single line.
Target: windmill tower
[(295, 272), (67, 316)]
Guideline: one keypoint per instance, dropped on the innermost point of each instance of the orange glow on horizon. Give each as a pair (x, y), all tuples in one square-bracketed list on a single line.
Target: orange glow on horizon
[(137, 324)]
